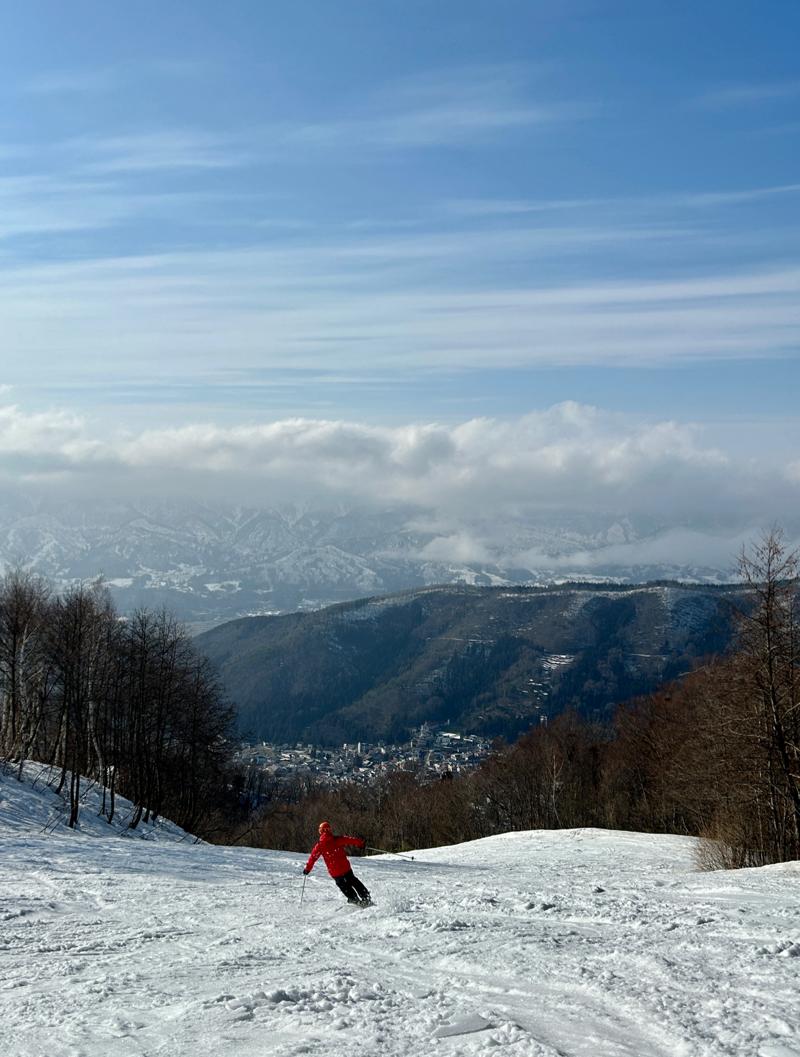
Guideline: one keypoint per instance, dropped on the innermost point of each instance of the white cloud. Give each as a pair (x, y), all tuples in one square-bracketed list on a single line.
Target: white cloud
[(35, 447), (414, 302), (66, 82), (458, 547), (569, 458), (676, 547), (752, 94), (37, 205), (499, 207), (161, 150), (59, 82), (650, 203), (558, 492), (466, 105), (736, 197), (22, 433)]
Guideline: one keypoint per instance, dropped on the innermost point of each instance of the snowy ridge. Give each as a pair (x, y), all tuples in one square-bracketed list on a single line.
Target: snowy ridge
[(579, 943), (210, 563)]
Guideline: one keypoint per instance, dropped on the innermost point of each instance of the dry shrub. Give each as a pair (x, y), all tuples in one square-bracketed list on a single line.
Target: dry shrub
[(729, 843)]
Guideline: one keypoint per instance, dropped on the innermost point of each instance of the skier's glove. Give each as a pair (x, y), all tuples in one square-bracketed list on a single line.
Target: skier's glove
[(306, 870)]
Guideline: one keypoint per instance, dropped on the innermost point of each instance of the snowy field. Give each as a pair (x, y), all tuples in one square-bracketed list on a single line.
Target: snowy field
[(580, 943)]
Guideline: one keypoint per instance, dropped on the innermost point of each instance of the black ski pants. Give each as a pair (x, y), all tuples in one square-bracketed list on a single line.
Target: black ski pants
[(352, 888)]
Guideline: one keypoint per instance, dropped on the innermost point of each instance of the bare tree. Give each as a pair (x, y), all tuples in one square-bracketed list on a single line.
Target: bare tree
[(78, 643), (770, 685), (24, 682)]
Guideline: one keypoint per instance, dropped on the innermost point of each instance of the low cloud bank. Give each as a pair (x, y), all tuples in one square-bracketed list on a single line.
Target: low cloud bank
[(474, 483)]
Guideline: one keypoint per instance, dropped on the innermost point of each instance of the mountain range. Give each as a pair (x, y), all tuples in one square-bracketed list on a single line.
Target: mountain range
[(212, 563)]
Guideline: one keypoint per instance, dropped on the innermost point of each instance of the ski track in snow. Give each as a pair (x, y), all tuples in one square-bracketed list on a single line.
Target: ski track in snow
[(581, 943)]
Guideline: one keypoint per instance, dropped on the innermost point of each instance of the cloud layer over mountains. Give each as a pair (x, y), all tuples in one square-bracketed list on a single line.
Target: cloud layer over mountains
[(569, 458)]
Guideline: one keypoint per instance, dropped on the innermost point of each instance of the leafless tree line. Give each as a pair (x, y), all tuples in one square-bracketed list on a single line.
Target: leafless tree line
[(716, 755), (128, 704)]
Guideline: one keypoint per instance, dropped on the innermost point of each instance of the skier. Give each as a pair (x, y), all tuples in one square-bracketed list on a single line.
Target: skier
[(331, 848)]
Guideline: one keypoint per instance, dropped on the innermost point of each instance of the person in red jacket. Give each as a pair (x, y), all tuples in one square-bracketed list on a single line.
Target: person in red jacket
[(331, 848)]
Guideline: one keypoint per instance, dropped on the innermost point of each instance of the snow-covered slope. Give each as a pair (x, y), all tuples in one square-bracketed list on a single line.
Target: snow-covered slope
[(30, 804), (578, 943)]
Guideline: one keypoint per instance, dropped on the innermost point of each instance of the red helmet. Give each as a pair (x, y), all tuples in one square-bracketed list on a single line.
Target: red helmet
[(323, 826)]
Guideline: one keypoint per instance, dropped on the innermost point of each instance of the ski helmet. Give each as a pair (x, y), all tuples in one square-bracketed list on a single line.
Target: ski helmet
[(323, 826)]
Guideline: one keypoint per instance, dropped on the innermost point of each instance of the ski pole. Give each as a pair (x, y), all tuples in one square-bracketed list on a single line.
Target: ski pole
[(383, 851), (303, 889)]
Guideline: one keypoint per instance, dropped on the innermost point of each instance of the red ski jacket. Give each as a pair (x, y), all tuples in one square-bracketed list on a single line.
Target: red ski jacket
[(331, 849)]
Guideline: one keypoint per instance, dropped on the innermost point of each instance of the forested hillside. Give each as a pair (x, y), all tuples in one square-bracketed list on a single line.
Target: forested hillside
[(130, 704), (487, 660), (715, 754)]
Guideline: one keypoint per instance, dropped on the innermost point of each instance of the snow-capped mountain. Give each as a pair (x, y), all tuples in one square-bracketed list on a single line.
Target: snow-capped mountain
[(211, 563)]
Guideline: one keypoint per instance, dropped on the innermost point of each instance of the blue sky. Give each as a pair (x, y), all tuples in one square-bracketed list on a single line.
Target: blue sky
[(389, 214)]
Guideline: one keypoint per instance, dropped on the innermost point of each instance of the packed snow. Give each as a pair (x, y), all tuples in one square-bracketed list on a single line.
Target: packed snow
[(579, 943)]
